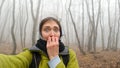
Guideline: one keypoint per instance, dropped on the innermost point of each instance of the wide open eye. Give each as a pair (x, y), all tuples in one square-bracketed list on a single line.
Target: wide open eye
[(47, 29), (56, 29)]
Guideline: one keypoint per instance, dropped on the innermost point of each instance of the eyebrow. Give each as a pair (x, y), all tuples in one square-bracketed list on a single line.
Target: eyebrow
[(49, 26), (56, 27)]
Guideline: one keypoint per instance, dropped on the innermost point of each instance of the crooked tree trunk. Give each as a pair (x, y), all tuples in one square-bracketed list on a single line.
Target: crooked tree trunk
[(35, 21), (12, 30), (81, 50)]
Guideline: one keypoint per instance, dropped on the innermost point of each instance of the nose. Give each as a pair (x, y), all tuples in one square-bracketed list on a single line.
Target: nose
[(52, 33)]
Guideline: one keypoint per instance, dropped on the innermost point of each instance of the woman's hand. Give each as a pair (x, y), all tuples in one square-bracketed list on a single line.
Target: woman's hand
[(52, 47)]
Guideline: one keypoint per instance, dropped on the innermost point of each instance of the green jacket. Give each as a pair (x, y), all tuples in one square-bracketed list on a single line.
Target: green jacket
[(23, 60)]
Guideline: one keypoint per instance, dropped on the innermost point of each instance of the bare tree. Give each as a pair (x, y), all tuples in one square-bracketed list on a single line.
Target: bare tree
[(96, 26), (35, 20), (23, 20), (92, 28), (75, 29), (12, 30), (89, 44), (1, 6), (67, 24), (118, 31), (3, 27), (21, 17), (113, 37), (82, 24), (102, 31), (26, 21), (110, 27), (9, 27)]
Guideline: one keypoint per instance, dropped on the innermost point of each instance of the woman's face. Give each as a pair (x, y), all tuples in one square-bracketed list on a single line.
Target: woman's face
[(50, 29)]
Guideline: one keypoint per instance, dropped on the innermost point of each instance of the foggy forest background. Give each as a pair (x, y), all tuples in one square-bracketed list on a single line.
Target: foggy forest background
[(87, 24)]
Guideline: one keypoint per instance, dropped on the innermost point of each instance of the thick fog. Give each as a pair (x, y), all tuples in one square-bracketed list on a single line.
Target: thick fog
[(85, 23)]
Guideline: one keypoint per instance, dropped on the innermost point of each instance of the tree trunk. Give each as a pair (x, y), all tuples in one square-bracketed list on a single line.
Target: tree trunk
[(75, 29), (110, 27), (90, 29), (118, 31), (35, 21), (12, 30), (1, 7), (96, 26), (83, 24), (102, 31), (3, 27), (26, 21)]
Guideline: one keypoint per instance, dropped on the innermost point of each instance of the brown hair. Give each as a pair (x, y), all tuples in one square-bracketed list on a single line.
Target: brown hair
[(48, 19)]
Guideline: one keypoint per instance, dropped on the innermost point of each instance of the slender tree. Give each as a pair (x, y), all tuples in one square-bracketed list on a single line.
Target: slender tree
[(82, 24), (67, 24), (93, 26), (1, 6), (118, 31), (4, 26), (113, 38), (89, 44), (26, 21), (96, 26), (78, 40), (12, 30), (21, 17), (110, 27), (102, 30), (35, 20)]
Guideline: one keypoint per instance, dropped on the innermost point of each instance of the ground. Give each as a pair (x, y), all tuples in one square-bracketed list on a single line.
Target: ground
[(104, 59), (101, 59)]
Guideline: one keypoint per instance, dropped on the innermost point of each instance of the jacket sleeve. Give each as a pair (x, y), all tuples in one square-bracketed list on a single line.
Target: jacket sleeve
[(73, 63), (21, 60)]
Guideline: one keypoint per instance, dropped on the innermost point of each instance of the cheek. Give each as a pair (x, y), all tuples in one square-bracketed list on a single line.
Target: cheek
[(45, 36), (58, 35)]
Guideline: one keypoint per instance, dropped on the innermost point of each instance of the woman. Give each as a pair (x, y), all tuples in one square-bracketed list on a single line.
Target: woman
[(49, 51)]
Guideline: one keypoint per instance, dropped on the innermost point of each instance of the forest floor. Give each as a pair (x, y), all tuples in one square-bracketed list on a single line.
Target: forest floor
[(101, 59), (104, 59)]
